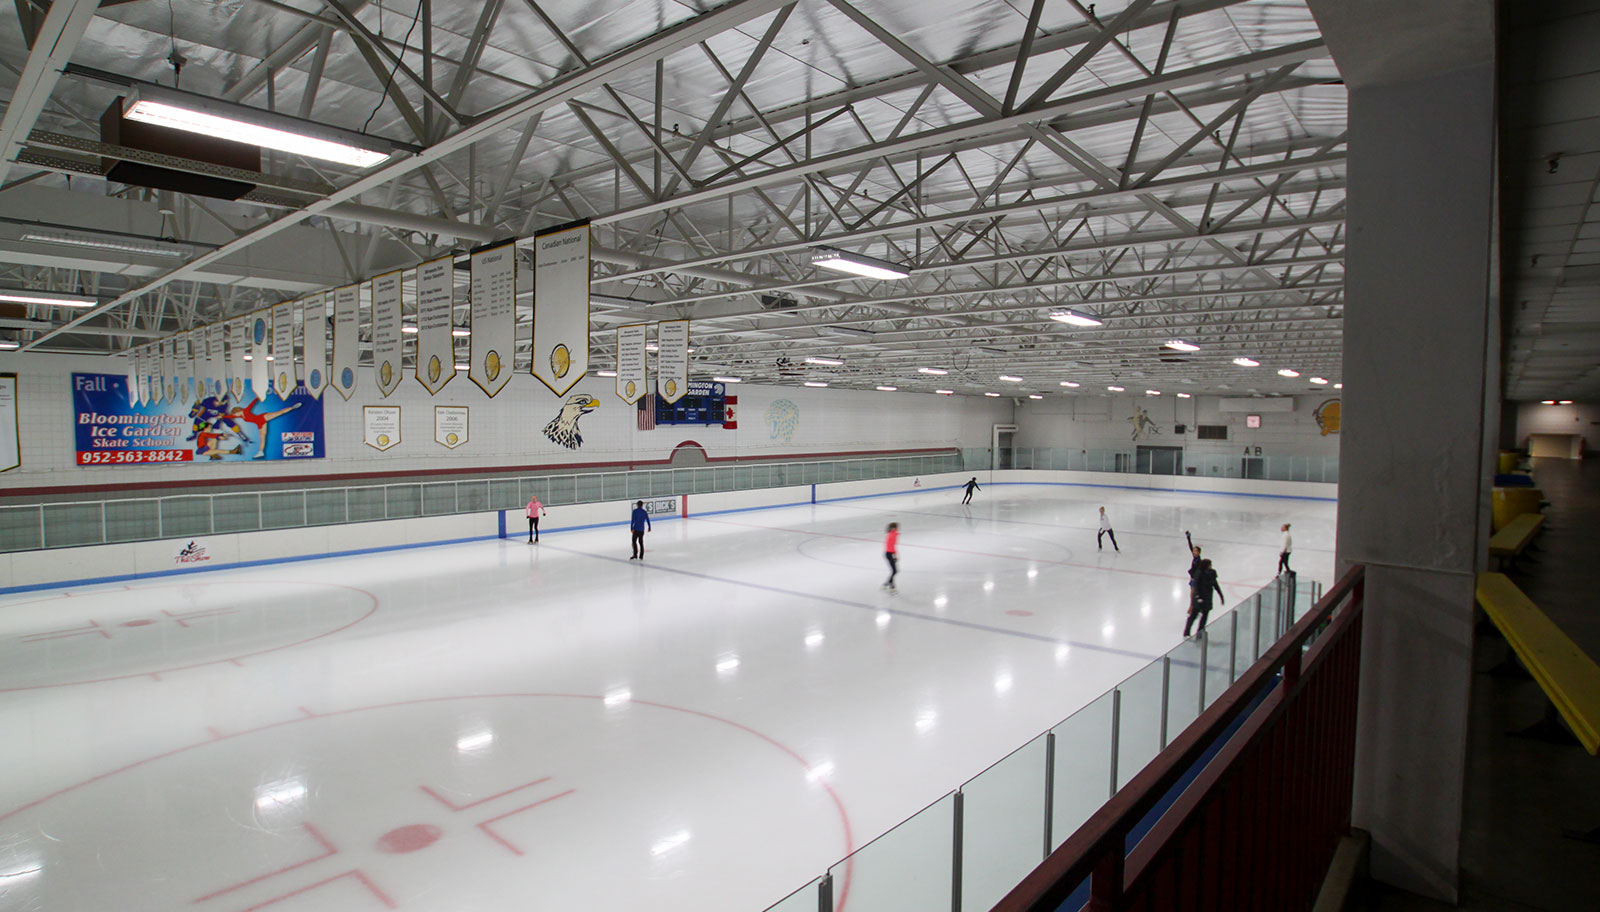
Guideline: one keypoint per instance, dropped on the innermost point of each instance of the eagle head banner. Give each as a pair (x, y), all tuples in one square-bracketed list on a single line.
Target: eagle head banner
[(561, 306)]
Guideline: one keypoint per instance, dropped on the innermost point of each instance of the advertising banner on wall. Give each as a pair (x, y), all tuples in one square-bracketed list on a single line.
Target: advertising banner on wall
[(10, 430), (436, 359), (314, 323), (112, 430), (631, 357), (388, 355), (381, 426), (561, 307), (346, 338), (672, 359), (450, 425), (494, 317), (284, 378)]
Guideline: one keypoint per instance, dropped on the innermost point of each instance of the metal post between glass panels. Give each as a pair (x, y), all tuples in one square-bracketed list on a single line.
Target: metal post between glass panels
[(1049, 792), (1116, 737), (1205, 668), (1166, 693), (102, 522), (1257, 654), (825, 893), (1233, 647), (955, 850)]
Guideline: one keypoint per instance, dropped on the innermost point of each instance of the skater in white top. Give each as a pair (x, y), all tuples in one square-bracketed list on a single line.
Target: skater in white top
[(1283, 553), (1105, 529)]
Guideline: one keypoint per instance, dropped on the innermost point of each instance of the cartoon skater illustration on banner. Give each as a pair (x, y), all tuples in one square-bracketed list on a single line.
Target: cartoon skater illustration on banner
[(111, 430)]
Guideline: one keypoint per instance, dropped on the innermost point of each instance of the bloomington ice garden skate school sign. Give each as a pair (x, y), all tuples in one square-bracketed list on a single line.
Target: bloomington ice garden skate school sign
[(213, 426)]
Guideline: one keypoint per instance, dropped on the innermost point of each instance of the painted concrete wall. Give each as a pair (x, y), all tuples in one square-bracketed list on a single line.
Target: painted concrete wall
[(1581, 418), (507, 431)]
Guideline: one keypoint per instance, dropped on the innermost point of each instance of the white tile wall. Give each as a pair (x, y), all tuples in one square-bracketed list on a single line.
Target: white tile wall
[(1093, 422), (506, 431)]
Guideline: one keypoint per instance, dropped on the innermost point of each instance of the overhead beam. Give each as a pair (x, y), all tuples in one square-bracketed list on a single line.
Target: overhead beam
[(58, 37)]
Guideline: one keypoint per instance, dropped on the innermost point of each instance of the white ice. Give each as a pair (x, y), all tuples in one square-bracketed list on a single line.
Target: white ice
[(498, 725)]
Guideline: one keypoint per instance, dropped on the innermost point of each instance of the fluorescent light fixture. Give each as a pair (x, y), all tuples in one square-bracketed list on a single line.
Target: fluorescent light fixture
[(830, 362), (1549, 402), (856, 264), (47, 298), (463, 367), (1071, 384), (606, 373), (1010, 379), (1114, 389), (1184, 396), (1152, 392), (1074, 318), (651, 346), (1564, 402), (9, 346), (460, 332), (191, 113), (992, 395), (1180, 345), (1288, 373), (1319, 381), (727, 379), (1247, 362), (887, 389), (815, 384), (408, 328), (1338, 386), (106, 242), (932, 371), (940, 392), (1035, 396)]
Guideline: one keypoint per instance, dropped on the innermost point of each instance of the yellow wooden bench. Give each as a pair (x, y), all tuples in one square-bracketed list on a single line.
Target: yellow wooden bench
[(1569, 677), (1509, 543)]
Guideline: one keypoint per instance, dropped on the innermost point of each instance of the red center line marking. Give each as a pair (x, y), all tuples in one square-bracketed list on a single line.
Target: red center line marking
[(484, 826), (328, 851), (364, 880), (93, 627), (454, 807)]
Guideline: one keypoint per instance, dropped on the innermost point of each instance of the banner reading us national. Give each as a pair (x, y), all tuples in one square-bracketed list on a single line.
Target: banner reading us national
[(672, 359), (346, 338), (631, 360), (494, 320), (561, 306)]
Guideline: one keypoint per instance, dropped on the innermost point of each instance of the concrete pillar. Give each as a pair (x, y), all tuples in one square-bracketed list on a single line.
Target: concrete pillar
[(1421, 401)]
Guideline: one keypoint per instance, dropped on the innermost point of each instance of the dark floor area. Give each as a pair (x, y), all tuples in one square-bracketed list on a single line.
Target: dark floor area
[(1521, 793)]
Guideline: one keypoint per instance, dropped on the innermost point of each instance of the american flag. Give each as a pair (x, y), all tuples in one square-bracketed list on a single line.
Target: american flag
[(647, 412)]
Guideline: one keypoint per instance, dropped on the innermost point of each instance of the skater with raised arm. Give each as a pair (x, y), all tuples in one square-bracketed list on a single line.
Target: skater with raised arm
[(970, 486)]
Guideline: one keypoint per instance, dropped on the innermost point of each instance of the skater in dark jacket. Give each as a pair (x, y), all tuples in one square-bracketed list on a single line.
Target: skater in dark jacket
[(1205, 583), (639, 522), (971, 486)]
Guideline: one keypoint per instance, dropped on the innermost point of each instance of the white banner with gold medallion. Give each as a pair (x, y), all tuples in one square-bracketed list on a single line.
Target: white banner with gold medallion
[(283, 369), (450, 425), (388, 351), (672, 359), (314, 328), (169, 369), (632, 369), (238, 348), (346, 338), (381, 425), (494, 317), (211, 361), (561, 307), (436, 294)]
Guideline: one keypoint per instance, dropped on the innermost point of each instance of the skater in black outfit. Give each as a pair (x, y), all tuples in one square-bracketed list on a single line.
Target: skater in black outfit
[(1283, 554), (1194, 568), (1205, 583), (971, 486), (1105, 529), (639, 522)]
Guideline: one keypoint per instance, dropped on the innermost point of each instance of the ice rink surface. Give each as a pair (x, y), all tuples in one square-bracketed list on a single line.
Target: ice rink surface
[(496, 725)]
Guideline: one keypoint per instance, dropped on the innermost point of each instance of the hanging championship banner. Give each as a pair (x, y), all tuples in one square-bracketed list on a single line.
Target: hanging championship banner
[(314, 323), (169, 370), (382, 426), (184, 358), (283, 373), (631, 369), (561, 307), (388, 353), (149, 364), (10, 428), (135, 367), (436, 358), (238, 348), (672, 359), (346, 338), (260, 367), (206, 361), (450, 425), (494, 317)]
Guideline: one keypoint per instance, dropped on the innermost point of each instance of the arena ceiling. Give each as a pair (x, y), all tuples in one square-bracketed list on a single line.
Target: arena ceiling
[(1175, 169)]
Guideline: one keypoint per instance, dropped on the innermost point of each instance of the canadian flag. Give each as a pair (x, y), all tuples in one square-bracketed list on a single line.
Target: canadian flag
[(730, 413)]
